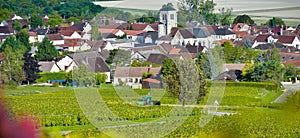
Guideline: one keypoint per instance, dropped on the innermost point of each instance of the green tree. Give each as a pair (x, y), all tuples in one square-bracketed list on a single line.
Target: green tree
[(17, 25), (290, 70), (184, 80), (31, 68), (272, 54), (12, 64), (275, 21), (4, 14), (198, 10), (225, 16), (95, 31), (23, 38), (46, 50), (147, 75), (55, 20), (83, 77), (36, 21), (243, 19), (100, 78), (13, 43)]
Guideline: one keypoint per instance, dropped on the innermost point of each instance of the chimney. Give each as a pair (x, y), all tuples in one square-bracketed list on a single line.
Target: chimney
[(281, 30)]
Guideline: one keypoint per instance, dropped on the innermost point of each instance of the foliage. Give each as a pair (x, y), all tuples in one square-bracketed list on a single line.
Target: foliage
[(243, 19), (17, 25), (55, 20), (4, 14), (266, 71), (23, 37), (275, 21), (12, 64), (122, 37), (46, 50), (290, 70), (118, 57), (31, 69), (293, 102), (80, 9), (271, 54), (147, 75), (36, 21), (100, 78), (13, 43), (46, 76), (239, 54), (182, 82), (95, 31), (83, 77), (136, 63), (197, 10), (225, 16)]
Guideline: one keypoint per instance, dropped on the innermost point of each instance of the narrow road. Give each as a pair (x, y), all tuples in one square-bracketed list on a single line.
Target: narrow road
[(289, 89)]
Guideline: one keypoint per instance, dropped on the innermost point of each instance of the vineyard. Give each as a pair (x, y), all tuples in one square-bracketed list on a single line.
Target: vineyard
[(62, 108)]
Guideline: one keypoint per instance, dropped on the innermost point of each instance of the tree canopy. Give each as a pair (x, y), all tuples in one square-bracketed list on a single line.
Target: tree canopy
[(46, 50), (243, 19), (275, 21)]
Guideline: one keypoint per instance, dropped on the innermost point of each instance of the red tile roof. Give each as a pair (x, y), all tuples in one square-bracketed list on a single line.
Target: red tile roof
[(66, 32), (150, 80), (241, 34), (294, 62), (155, 26), (71, 42), (32, 34), (138, 27), (55, 37), (107, 30), (262, 38), (175, 51), (286, 39), (133, 32)]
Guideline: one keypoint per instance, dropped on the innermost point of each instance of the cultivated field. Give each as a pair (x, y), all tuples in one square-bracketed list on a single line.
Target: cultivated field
[(287, 9), (61, 110)]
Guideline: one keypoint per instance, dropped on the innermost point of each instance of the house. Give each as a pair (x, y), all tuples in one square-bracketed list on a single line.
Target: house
[(56, 39), (151, 83), (125, 44), (85, 28), (66, 64), (93, 61), (141, 54), (156, 58), (194, 36), (166, 47), (231, 75), (133, 75), (72, 45), (291, 41), (223, 33), (48, 66), (116, 32), (6, 30), (262, 39), (296, 63), (41, 33), (134, 35), (100, 45), (33, 37), (141, 27), (70, 34)]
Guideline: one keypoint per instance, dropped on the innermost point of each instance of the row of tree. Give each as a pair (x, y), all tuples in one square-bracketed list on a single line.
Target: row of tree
[(18, 65)]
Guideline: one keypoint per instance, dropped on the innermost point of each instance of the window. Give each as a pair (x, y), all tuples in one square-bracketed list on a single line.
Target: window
[(172, 16)]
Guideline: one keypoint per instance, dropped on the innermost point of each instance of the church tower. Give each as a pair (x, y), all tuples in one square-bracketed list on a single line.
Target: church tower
[(168, 20)]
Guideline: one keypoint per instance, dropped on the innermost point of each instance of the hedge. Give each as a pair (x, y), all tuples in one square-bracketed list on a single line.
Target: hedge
[(266, 85), (46, 76)]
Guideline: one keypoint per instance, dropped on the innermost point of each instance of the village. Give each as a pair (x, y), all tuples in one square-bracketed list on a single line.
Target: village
[(152, 43)]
